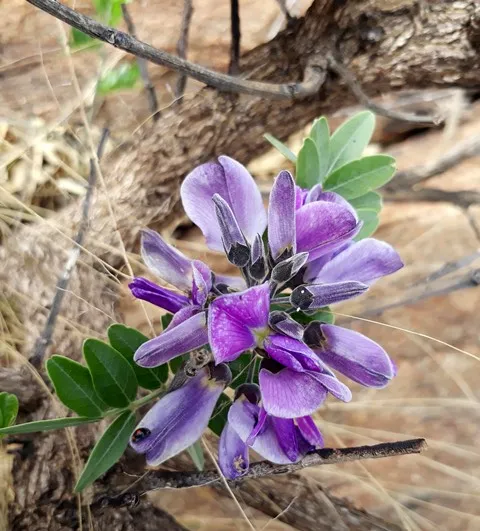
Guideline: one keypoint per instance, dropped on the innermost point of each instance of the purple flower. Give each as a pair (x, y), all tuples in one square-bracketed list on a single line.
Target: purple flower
[(277, 439), (178, 419), (295, 382)]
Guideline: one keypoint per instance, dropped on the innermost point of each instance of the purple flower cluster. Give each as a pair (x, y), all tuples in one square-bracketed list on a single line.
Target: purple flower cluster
[(295, 259)]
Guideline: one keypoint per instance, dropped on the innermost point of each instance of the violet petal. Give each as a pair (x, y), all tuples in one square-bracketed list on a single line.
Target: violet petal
[(281, 216), (167, 299)]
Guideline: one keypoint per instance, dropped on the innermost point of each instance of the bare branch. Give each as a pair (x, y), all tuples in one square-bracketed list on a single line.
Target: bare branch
[(182, 44), (314, 76), (325, 456), (142, 65), (234, 67), (451, 267), (355, 87), (46, 338), (461, 198)]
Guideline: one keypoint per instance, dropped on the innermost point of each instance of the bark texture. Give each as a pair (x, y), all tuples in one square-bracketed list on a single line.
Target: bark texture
[(388, 44)]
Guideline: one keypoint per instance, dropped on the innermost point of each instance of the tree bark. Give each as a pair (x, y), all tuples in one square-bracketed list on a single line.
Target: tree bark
[(388, 45)]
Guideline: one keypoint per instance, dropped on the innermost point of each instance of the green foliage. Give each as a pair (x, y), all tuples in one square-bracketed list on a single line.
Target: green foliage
[(113, 377), (196, 453), (82, 40), (220, 414), (8, 409), (282, 148), (308, 165), (320, 134), (370, 224), (368, 207), (323, 315), (108, 449), (74, 387), (350, 140), (369, 201), (47, 425), (122, 77), (239, 368), (359, 177), (126, 341)]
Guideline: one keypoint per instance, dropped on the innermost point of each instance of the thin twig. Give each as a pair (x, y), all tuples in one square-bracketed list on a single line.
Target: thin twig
[(234, 67), (46, 338), (314, 75), (451, 267), (143, 67), (325, 456), (461, 198), (352, 83), (182, 46)]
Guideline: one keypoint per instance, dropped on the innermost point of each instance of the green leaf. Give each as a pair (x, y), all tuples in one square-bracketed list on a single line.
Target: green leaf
[(324, 315), (220, 414), (196, 453), (280, 146), (360, 176), (126, 341), (108, 449), (308, 165), (48, 425), (350, 139), (74, 387), (82, 40), (124, 76), (109, 11), (166, 320), (370, 201), (320, 134), (370, 224), (239, 368), (8, 409), (113, 377)]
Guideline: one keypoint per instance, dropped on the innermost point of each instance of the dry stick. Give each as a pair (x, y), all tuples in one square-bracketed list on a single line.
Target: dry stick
[(314, 75), (325, 456), (352, 83), (234, 67), (46, 338), (461, 198), (182, 45), (143, 67)]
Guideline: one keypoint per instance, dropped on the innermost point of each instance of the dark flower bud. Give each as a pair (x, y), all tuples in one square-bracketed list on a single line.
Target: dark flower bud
[(236, 247), (287, 269), (313, 335), (314, 296), (250, 391), (258, 259), (283, 323), (220, 373)]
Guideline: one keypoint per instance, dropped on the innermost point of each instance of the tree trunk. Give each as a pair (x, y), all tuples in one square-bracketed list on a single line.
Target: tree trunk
[(388, 45)]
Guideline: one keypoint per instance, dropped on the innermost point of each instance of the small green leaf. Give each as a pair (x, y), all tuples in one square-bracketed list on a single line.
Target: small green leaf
[(108, 449), (82, 40), (113, 377), (124, 76), (369, 201), (239, 368), (166, 320), (360, 176), (127, 341), (74, 387), (47, 425), (320, 134), (350, 140), (109, 11), (324, 315), (177, 362), (280, 146), (370, 224), (220, 414), (308, 165), (196, 453), (8, 409)]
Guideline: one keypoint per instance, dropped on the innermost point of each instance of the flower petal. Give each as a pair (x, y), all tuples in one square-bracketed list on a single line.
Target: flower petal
[(295, 354), (364, 261), (281, 216), (233, 456), (233, 319), (321, 227), (316, 194), (310, 432), (167, 299), (291, 394), (356, 356), (232, 182), (177, 420), (243, 417), (285, 431), (334, 386), (202, 282), (186, 336), (165, 261), (282, 322), (315, 296)]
